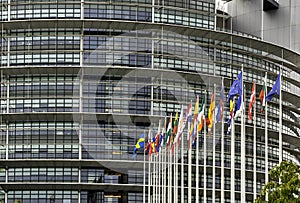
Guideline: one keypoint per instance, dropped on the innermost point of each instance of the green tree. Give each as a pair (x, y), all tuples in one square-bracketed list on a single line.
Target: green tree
[(285, 190)]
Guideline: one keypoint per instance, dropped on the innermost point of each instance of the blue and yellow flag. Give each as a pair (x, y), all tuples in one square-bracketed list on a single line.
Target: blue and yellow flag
[(139, 144)]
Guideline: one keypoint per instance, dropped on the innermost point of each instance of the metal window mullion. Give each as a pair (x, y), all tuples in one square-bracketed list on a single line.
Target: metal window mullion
[(8, 10), (6, 143)]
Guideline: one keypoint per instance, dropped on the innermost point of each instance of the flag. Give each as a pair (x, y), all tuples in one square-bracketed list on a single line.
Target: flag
[(157, 139), (220, 108), (236, 87), (211, 111), (139, 144), (163, 134), (189, 115), (201, 117), (196, 112), (175, 129), (181, 125), (229, 126), (189, 112), (231, 105), (275, 89), (196, 109), (252, 100), (194, 121), (149, 146), (262, 94), (239, 106), (194, 135), (169, 132)]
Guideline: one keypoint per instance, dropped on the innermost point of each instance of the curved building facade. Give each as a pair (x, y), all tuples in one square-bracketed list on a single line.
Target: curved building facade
[(81, 80)]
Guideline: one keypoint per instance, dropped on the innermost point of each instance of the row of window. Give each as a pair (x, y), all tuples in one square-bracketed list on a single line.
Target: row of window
[(94, 175), (104, 12), (45, 43)]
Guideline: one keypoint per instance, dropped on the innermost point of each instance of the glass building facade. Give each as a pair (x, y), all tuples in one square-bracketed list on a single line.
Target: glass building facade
[(81, 80)]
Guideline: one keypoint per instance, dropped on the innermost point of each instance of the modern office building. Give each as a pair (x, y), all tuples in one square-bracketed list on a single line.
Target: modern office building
[(81, 80)]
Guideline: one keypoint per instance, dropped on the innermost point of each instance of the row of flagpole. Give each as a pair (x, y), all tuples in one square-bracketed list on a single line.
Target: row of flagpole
[(165, 166)]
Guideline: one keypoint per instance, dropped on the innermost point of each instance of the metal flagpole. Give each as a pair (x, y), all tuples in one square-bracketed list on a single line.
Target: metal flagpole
[(189, 167), (204, 151), (182, 167), (154, 186), (204, 157), (159, 174), (232, 164), (254, 147), (280, 118), (197, 161), (149, 172), (222, 154), (144, 172), (214, 153), (243, 154), (169, 176), (164, 176), (176, 172), (266, 136)]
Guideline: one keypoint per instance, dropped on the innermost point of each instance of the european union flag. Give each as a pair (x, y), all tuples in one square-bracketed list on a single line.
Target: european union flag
[(236, 87), (139, 144), (239, 107), (275, 89), (229, 126)]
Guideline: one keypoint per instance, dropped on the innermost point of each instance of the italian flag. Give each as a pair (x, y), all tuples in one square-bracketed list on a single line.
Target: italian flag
[(262, 94)]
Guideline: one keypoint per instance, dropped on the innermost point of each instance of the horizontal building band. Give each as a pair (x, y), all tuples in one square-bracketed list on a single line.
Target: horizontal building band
[(278, 51), (113, 187), (69, 163)]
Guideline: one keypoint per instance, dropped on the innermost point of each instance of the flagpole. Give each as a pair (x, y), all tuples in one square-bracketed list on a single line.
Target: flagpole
[(165, 175), (232, 164), (266, 137), (204, 153), (169, 176), (214, 153), (157, 138), (159, 174), (189, 166), (243, 154), (154, 175), (149, 172), (163, 192), (280, 118), (182, 167), (144, 172), (177, 169), (154, 194), (222, 154), (204, 158), (175, 174), (197, 161), (254, 147)]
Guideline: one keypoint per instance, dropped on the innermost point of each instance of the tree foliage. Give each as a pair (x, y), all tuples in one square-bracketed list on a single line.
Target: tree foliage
[(284, 184)]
